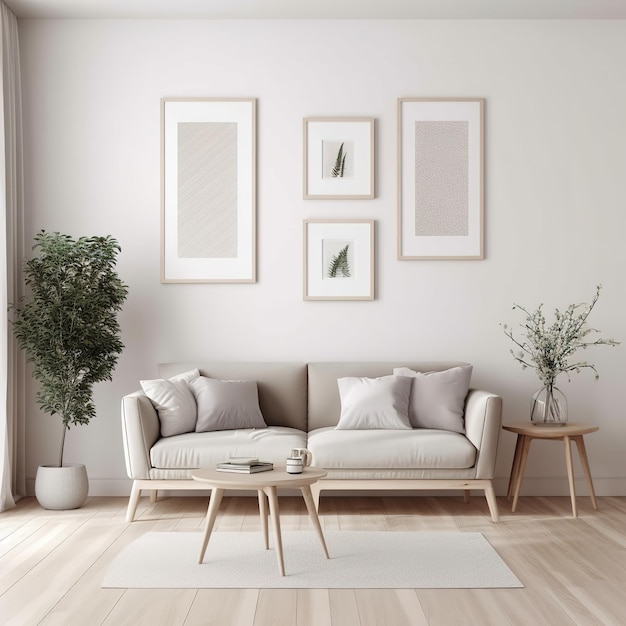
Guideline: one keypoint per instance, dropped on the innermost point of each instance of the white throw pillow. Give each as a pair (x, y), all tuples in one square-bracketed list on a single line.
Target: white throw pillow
[(174, 402), (227, 404), (374, 403), (438, 398)]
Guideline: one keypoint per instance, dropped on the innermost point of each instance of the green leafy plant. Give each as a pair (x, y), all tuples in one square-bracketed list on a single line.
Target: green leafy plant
[(68, 323), (339, 264), (340, 163), (548, 349)]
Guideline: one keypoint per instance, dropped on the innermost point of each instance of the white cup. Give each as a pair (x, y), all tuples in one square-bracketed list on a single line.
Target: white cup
[(302, 453), (299, 459), (294, 465)]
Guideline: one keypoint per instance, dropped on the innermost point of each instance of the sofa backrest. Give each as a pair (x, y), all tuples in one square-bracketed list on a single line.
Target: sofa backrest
[(282, 386), (323, 398), (300, 395)]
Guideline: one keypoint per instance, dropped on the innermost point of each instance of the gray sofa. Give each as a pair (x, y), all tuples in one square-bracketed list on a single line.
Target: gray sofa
[(301, 405)]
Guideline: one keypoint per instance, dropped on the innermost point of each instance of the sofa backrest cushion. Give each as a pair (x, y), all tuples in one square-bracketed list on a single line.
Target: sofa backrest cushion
[(282, 386), (323, 397), (226, 404), (438, 398)]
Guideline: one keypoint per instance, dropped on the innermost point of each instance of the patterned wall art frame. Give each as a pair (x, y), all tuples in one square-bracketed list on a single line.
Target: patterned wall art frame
[(338, 158), (440, 178), (208, 190), (338, 259)]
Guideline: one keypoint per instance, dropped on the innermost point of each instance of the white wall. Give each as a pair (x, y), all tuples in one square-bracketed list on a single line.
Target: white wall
[(555, 202)]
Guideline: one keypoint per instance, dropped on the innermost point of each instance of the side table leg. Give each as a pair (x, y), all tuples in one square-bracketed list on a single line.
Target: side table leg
[(520, 472), (273, 498), (263, 514), (515, 466), (570, 473), (310, 505), (582, 453), (214, 505)]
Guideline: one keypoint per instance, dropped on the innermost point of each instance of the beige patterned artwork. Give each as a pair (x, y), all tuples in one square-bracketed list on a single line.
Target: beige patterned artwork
[(207, 190), (441, 178)]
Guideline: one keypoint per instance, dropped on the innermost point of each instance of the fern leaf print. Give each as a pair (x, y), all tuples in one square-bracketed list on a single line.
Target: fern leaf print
[(339, 266), (340, 163)]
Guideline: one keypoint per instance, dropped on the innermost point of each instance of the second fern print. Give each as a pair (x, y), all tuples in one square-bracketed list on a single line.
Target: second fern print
[(339, 266), (337, 258)]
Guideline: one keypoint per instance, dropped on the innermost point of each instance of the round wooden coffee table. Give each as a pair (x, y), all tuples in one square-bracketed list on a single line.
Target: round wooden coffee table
[(265, 484), (527, 431)]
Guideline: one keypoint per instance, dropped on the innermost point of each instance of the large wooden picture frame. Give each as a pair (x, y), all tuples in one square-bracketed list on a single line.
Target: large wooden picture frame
[(208, 190), (338, 259), (440, 178), (338, 158)]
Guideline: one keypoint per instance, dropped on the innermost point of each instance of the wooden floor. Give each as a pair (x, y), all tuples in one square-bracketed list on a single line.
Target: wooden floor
[(574, 570)]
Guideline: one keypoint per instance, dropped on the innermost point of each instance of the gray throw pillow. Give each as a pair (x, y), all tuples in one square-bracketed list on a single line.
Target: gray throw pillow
[(368, 403), (438, 398), (227, 404), (174, 402)]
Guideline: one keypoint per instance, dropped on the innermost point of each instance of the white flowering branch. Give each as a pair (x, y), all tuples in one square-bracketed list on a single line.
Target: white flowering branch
[(548, 349)]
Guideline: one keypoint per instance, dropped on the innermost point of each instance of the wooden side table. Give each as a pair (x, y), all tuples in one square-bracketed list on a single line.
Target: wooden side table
[(526, 432)]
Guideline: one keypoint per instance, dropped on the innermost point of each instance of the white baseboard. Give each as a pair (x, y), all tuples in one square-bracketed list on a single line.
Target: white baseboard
[(560, 486), (530, 487)]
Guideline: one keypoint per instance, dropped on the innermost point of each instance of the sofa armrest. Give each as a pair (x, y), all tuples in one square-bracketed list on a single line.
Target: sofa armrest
[(483, 418), (140, 430)]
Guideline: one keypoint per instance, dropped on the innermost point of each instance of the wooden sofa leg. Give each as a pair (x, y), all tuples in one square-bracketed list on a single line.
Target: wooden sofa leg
[(135, 492), (490, 494), (466, 496)]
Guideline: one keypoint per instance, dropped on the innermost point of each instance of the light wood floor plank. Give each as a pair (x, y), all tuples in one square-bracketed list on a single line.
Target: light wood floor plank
[(344, 609), (313, 607), (444, 607), (277, 607), (530, 606), (604, 602), (151, 607), (381, 607), (218, 607)]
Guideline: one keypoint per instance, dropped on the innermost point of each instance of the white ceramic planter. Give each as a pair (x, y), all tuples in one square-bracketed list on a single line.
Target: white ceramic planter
[(61, 488)]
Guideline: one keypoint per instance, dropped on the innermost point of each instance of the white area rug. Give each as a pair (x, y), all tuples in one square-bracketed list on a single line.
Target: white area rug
[(358, 560)]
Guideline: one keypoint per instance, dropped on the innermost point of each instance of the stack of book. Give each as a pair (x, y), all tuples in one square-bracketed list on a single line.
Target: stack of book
[(244, 465)]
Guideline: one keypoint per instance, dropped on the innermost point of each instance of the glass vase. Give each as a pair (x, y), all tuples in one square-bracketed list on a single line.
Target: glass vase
[(548, 407)]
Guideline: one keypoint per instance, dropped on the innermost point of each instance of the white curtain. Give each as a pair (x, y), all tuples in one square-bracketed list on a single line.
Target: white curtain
[(12, 447)]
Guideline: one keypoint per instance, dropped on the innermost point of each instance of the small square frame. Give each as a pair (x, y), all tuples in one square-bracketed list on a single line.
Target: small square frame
[(440, 178), (338, 158), (208, 190), (338, 259)]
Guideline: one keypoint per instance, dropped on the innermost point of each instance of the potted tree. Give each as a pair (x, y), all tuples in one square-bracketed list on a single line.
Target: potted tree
[(68, 327)]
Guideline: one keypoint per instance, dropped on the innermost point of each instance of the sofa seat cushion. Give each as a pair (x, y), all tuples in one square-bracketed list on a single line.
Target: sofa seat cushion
[(193, 450), (390, 449)]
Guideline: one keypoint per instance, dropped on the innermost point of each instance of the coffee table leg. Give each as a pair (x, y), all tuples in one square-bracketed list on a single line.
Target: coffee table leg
[(310, 505), (273, 498), (263, 515), (214, 505)]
